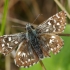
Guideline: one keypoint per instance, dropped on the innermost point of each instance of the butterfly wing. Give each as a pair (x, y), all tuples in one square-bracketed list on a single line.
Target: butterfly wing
[(9, 42), (25, 56), (54, 24), (51, 42)]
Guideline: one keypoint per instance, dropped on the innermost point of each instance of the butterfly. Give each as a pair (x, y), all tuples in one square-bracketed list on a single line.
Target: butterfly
[(36, 43)]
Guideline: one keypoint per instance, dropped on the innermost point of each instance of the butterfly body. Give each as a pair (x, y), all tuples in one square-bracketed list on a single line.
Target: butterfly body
[(33, 39)]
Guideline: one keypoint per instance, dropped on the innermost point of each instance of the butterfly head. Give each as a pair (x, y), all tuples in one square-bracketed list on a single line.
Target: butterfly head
[(29, 27)]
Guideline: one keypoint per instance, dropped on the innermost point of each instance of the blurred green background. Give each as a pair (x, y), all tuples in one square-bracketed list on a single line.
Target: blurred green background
[(21, 12)]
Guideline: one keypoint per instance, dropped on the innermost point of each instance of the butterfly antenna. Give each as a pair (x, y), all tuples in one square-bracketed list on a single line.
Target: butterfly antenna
[(37, 17)]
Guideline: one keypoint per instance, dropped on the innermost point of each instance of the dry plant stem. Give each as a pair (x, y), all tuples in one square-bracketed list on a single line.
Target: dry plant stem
[(13, 53), (7, 58), (7, 62), (27, 10), (62, 8), (68, 35), (16, 20), (56, 33), (69, 5), (43, 67), (12, 3), (36, 7), (19, 21)]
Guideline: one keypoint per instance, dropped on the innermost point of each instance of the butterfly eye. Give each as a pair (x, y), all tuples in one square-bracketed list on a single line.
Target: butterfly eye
[(32, 27)]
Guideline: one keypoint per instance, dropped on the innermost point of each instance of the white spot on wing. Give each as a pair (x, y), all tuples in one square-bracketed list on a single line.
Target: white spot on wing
[(22, 62), (62, 18), (47, 30), (49, 23), (58, 46), (28, 60), (50, 18), (23, 54), (3, 45), (19, 53), (51, 49), (16, 42), (58, 24), (50, 41), (55, 48), (25, 61), (57, 16), (3, 40), (5, 36), (8, 44), (10, 47), (52, 36), (61, 21), (9, 38), (19, 59)]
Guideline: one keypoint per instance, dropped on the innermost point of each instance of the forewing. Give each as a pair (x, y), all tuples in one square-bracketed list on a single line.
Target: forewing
[(9, 42), (25, 56), (51, 42), (54, 24)]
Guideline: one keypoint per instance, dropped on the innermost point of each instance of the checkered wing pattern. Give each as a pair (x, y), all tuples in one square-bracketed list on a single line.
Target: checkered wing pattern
[(9, 42), (25, 56), (51, 42), (48, 41), (54, 24)]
